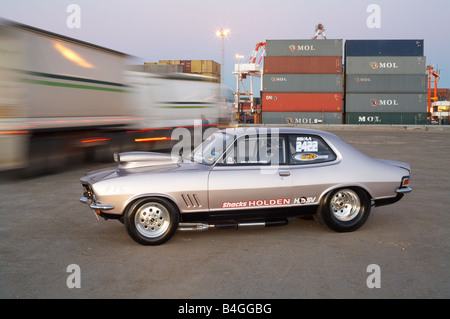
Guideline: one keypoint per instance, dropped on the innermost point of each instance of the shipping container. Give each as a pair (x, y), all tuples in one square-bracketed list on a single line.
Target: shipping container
[(303, 64), (395, 83), (169, 62), (296, 118), (304, 48), (196, 66), (385, 65), (388, 103), (303, 83), (384, 47), (385, 118), (186, 65), (156, 68), (205, 66), (302, 102), (209, 66)]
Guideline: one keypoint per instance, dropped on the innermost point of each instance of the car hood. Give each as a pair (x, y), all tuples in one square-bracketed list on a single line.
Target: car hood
[(132, 163)]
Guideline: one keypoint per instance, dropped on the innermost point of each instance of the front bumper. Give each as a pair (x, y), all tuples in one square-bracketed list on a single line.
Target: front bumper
[(90, 199), (96, 206)]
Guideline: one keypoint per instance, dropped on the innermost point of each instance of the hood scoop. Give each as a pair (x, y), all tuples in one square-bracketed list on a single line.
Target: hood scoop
[(131, 160)]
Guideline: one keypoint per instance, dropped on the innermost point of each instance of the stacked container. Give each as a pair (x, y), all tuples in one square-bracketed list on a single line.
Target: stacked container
[(302, 82), (208, 68), (385, 82)]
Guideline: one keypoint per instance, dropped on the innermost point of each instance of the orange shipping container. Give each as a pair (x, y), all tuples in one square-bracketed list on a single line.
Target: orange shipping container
[(303, 64), (301, 102)]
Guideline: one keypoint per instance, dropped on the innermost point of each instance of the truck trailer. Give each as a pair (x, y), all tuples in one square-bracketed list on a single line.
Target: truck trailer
[(63, 100)]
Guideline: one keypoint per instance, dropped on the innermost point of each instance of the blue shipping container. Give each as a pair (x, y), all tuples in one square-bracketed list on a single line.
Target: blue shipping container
[(384, 48)]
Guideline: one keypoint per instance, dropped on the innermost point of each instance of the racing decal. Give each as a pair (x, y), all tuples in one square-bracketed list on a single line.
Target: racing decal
[(257, 203), (269, 202), (304, 200), (306, 144), (309, 157)]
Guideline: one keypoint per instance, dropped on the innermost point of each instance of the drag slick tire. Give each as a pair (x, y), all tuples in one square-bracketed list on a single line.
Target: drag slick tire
[(151, 221), (344, 210)]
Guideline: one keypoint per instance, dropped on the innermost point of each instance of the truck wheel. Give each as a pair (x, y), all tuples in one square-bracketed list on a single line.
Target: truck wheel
[(151, 221), (344, 210)]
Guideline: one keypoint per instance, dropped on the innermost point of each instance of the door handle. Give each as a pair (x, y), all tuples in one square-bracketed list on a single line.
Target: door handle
[(284, 173)]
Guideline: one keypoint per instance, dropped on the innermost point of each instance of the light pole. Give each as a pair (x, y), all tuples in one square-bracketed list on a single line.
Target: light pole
[(238, 77), (223, 33)]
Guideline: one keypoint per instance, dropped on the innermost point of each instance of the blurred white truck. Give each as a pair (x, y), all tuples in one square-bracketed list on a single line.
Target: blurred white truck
[(63, 100)]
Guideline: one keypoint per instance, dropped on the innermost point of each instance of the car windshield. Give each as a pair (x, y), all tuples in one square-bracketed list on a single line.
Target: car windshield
[(212, 148)]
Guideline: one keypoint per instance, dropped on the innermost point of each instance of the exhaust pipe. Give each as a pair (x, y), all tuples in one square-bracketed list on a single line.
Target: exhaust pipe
[(251, 225), (194, 226), (231, 225)]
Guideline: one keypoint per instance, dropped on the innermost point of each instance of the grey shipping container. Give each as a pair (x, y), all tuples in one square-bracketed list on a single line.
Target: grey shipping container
[(369, 83), (386, 103), (385, 65), (303, 83), (386, 118), (301, 118), (384, 48), (304, 48)]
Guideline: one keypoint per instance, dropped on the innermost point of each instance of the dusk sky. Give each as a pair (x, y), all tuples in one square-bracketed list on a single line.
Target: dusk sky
[(185, 29)]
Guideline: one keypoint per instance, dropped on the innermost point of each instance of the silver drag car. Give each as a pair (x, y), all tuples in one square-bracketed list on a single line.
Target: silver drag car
[(245, 177)]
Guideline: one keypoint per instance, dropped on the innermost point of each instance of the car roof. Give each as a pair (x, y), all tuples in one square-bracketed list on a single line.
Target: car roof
[(241, 131), (330, 138)]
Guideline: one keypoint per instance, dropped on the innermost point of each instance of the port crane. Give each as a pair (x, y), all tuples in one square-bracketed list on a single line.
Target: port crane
[(320, 30), (259, 45), (432, 72), (250, 69)]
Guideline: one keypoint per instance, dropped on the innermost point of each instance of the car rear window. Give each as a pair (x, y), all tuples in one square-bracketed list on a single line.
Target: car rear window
[(309, 149)]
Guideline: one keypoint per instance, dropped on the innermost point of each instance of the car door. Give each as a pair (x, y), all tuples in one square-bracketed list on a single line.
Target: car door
[(253, 173), (312, 163)]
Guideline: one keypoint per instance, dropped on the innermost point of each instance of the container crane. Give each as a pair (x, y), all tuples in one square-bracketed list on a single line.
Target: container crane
[(251, 69), (320, 30), (262, 46), (436, 75)]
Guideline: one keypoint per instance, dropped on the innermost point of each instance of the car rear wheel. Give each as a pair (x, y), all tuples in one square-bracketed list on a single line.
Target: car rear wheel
[(344, 210), (151, 221)]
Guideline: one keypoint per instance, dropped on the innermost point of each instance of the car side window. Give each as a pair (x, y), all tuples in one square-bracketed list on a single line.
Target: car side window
[(257, 150), (309, 149)]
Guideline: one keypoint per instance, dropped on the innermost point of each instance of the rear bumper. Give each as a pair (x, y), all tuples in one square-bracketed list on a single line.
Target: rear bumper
[(404, 190), (388, 201)]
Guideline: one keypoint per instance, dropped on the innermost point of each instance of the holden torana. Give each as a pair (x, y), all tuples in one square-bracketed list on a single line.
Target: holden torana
[(245, 178)]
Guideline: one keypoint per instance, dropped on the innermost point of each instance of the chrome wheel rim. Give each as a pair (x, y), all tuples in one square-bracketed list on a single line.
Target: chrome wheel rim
[(345, 205), (152, 220)]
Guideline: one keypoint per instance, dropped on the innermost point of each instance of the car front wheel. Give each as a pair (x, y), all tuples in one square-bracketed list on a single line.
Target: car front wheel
[(151, 221), (344, 210)]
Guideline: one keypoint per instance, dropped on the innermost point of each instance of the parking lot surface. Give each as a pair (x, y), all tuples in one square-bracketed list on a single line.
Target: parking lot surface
[(45, 231)]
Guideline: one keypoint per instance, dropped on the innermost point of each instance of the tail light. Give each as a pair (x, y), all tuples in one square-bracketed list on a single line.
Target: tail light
[(405, 182)]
